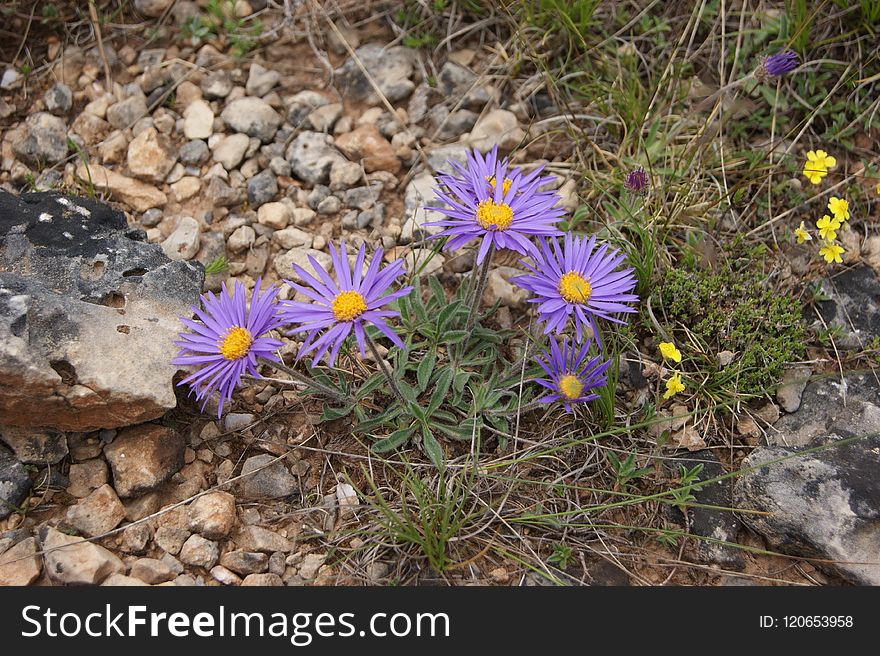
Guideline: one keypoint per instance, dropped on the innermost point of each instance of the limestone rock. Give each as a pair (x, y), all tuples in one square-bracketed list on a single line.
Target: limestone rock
[(311, 157), (265, 479), (252, 116), (142, 457), (212, 515), (150, 156), (20, 564), (367, 146), (44, 140), (72, 561), (136, 194), (88, 316), (390, 68), (35, 446), (98, 513)]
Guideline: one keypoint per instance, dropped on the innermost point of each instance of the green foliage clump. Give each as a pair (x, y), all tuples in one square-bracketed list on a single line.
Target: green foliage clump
[(735, 310)]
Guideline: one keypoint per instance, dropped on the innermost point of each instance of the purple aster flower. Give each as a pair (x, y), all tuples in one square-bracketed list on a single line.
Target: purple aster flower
[(505, 215), (637, 181), (345, 305), (574, 281), (227, 340), (777, 65), (572, 374)]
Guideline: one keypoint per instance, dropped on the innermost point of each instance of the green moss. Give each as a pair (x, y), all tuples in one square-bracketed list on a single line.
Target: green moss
[(739, 311)]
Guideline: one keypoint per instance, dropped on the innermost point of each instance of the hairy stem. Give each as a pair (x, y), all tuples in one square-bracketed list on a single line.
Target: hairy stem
[(305, 380), (391, 382), (478, 290)]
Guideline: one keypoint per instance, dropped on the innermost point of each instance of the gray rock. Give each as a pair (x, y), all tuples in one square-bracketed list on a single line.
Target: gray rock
[(316, 195), (854, 306), (88, 316), (220, 193), (452, 126), (184, 242), (324, 118), (362, 198), (280, 166), (794, 381), (216, 85), (456, 82), (59, 99), (270, 480), (194, 153), (253, 117), (824, 504), (499, 127), (245, 562), (300, 256), (44, 140), (310, 565), (257, 538), (261, 80), (143, 457), (230, 150), (126, 112), (15, 484), (86, 477), (35, 446), (199, 552), (151, 156), (311, 157), (225, 576), (330, 205), (302, 104), (829, 407), (292, 237), (98, 513), (391, 69), (241, 239), (708, 519), (261, 188), (419, 194), (72, 561), (371, 217)]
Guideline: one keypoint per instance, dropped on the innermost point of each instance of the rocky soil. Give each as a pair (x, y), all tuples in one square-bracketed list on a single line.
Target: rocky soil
[(263, 162)]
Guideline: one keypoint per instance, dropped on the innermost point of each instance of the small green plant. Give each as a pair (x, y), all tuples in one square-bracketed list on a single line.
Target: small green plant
[(561, 556), (218, 265), (688, 483), (219, 20), (732, 308), (626, 471)]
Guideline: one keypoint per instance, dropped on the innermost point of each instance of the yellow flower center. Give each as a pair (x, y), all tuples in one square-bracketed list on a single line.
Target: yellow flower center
[(494, 216), (570, 387), (236, 344), (505, 186), (574, 288), (348, 306)]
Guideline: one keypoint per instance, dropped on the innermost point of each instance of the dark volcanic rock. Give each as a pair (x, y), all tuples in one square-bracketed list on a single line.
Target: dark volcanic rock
[(88, 315)]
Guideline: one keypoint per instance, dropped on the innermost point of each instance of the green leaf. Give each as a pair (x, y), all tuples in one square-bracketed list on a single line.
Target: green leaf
[(439, 295), (371, 384), (329, 414), (432, 447), (379, 420), (455, 336), (426, 368), (447, 314), (440, 391), (462, 432), (409, 393), (397, 439)]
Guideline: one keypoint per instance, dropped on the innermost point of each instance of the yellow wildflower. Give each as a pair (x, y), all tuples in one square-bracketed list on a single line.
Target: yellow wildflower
[(669, 352), (802, 234), (828, 228), (839, 207), (878, 189), (673, 386), (817, 165), (831, 253)]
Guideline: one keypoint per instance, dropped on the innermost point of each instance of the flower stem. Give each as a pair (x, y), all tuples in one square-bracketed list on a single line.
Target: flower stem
[(305, 380), (478, 290), (391, 382)]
